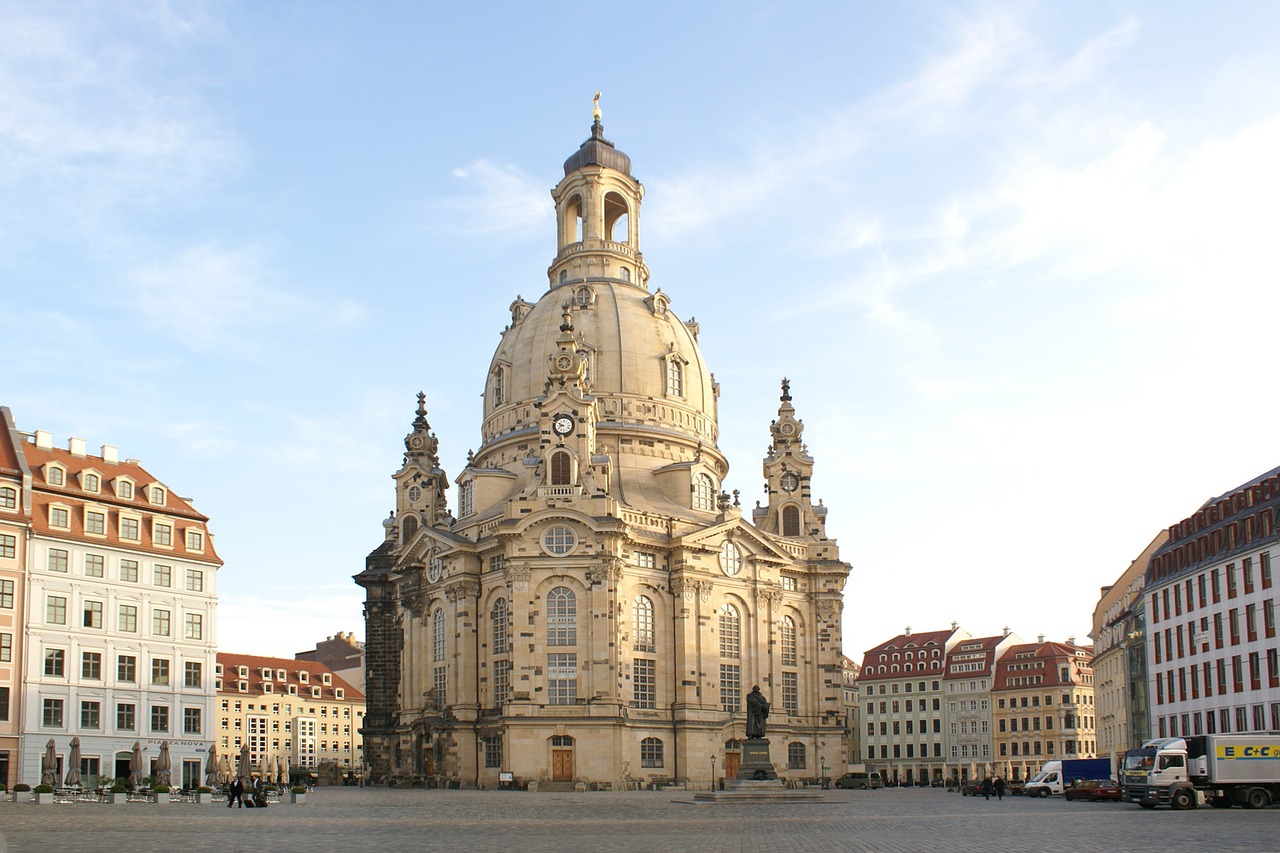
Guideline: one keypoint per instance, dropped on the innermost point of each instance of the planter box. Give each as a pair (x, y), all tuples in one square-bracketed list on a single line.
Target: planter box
[(299, 799), (204, 799), (161, 799), (44, 799), (117, 799)]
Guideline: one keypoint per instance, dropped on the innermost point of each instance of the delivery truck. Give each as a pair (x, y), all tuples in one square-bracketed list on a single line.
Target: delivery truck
[(1056, 776), (1222, 770)]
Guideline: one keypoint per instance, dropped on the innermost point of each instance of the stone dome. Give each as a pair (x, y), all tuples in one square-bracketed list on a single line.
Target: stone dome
[(598, 151)]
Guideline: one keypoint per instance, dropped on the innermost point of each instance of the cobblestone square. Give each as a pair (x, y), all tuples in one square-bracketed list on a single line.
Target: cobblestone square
[(379, 820)]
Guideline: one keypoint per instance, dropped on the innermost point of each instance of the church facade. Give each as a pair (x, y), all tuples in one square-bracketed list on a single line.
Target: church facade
[(595, 607)]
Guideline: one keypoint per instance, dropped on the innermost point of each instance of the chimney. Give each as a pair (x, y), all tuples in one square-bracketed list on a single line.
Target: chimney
[(955, 625), (76, 446), (110, 453), (44, 439), (1006, 630), (1071, 641), (907, 632), (1039, 638)]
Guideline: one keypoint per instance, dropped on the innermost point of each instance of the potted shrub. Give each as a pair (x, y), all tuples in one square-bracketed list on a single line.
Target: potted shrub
[(118, 793), (4, 792), (44, 794), (162, 794), (298, 794), (20, 791), (204, 794)]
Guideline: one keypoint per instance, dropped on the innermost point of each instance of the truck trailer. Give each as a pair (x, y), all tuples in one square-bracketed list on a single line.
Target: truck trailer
[(1222, 770), (1055, 776)]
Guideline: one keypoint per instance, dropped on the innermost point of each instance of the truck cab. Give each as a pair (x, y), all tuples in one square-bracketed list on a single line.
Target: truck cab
[(1156, 774), (1047, 781)]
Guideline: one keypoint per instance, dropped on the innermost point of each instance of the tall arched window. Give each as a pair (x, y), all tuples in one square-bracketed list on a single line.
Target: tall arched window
[(642, 628), (675, 377), (499, 386), (704, 492), (651, 752), (407, 530), (437, 634), (466, 503), (730, 632), (561, 468), (791, 520), (795, 755), (787, 639), (562, 617), (500, 639)]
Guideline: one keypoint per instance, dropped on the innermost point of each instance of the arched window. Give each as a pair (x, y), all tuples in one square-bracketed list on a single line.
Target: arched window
[(795, 755), (675, 377), (562, 617), (704, 492), (500, 385), (616, 225), (651, 752), (466, 502), (561, 468), (625, 273), (730, 559), (437, 634), (8, 498), (791, 520), (730, 632), (787, 639), (500, 639), (564, 276), (407, 530), (642, 628)]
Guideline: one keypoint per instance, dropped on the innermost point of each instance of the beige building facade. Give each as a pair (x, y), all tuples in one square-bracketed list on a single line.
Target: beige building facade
[(1043, 706), (292, 708), (15, 527), (595, 607)]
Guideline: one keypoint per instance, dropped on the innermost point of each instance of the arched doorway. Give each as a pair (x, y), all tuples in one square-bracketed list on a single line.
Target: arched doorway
[(561, 758), (732, 758)]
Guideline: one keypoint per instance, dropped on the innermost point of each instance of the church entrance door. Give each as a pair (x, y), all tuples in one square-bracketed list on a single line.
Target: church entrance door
[(732, 761), (562, 765)]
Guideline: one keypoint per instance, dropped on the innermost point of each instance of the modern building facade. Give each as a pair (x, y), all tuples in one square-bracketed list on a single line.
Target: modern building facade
[(902, 695), (1211, 647), (286, 707), (1043, 705), (595, 607), (1115, 632), (119, 635)]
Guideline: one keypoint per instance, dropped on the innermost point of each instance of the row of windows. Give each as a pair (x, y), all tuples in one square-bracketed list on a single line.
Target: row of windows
[(275, 708), (94, 566), (871, 689), (129, 528), (1208, 586), (126, 618), (1197, 638), (126, 668), (1242, 718), (52, 716), (910, 750), (886, 707), (1216, 671), (56, 475)]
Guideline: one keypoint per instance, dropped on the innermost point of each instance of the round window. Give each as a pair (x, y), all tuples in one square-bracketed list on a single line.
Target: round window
[(559, 540), (730, 559), (414, 493)]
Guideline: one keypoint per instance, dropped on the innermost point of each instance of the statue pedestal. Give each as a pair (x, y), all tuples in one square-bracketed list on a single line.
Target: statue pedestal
[(756, 766)]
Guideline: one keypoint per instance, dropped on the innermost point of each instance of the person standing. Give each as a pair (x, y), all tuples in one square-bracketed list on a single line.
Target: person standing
[(986, 788), (235, 793), (999, 788)]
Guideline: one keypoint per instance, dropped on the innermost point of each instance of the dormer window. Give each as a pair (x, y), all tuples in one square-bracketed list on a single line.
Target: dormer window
[(8, 498), (60, 516), (195, 540), (266, 674), (293, 690), (302, 676), (243, 672), (55, 476), (315, 692), (338, 693), (704, 492), (466, 498), (267, 687), (124, 489), (157, 495), (281, 675), (500, 385), (326, 678), (242, 686), (95, 522), (90, 482), (675, 376)]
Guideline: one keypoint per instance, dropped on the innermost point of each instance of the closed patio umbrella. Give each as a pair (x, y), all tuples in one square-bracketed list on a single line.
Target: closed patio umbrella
[(163, 765), (136, 775), (49, 764), (282, 769), (73, 765), (211, 766), (245, 770)]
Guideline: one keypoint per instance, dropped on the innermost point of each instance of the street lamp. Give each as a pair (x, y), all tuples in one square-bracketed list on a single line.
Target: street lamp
[(825, 783), (713, 771)]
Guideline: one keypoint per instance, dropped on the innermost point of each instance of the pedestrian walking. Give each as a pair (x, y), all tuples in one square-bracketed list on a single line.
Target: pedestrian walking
[(999, 786), (986, 788), (235, 793)]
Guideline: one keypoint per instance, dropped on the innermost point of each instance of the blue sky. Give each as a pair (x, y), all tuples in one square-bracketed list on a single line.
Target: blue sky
[(1016, 260)]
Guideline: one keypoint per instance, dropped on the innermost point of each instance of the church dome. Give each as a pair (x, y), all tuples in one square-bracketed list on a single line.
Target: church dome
[(598, 151)]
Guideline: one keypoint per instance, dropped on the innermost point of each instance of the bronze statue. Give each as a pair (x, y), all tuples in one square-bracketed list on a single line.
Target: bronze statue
[(757, 713)]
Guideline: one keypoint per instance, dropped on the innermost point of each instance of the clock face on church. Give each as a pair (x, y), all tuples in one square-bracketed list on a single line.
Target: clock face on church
[(562, 424)]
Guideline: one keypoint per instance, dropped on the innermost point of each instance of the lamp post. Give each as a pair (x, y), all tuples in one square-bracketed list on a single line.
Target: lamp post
[(713, 771), (825, 784)]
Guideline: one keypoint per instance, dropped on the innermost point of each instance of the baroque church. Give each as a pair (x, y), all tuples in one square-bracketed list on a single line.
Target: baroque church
[(597, 607)]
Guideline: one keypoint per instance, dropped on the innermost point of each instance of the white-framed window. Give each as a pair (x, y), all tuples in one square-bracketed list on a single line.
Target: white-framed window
[(94, 565), (8, 497), (730, 688), (498, 618), (59, 516), (562, 678), (195, 580), (157, 495), (194, 629), (58, 560), (704, 492), (162, 534), (437, 634), (559, 541), (644, 559), (562, 617), (128, 619), (466, 498), (730, 623), (93, 614), (195, 540), (675, 377), (730, 559), (161, 575), (787, 640), (124, 489), (129, 528), (129, 571), (651, 752), (95, 522), (644, 683), (160, 623), (642, 634), (91, 482), (55, 476)]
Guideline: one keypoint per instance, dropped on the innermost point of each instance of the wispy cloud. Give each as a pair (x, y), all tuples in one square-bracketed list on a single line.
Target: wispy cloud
[(495, 198)]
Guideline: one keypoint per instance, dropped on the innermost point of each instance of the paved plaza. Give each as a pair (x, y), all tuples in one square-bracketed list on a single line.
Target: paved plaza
[(378, 820)]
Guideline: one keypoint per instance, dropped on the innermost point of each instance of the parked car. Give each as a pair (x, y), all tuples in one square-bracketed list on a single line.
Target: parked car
[(1094, 790), (860, 780)]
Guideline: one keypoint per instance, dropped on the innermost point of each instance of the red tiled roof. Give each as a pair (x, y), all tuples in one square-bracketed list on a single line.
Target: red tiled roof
[(231, 664), (1051, 654), (972, 646), (901, 644)]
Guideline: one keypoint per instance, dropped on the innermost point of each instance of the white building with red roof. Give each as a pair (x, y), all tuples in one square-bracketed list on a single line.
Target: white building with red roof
[(121, 592)]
